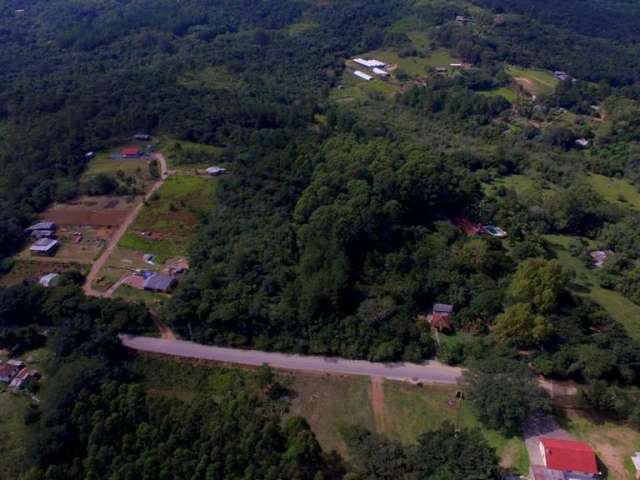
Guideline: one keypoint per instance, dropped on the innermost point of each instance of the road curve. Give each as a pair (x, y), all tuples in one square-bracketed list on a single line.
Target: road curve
[(428, 372), (118, 234)]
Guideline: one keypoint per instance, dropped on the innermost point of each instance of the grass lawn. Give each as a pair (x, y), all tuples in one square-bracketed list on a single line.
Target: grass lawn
[(103, 163), (188, 156), (331, 403), (537, 82), (12, 433), (507, 92), (354, 88), (171, 216), (211, 78), (614, 443), (184, 380), (412, 410), (527, 187), (302, 26), (414, 66), (130, 294), (619, 307), (615, 190), (28, 268)]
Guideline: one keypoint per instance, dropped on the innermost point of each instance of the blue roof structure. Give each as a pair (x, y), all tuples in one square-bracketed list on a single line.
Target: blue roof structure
[(159, 283)]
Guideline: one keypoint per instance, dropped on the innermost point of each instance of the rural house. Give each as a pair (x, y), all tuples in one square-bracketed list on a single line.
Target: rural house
[(565, 460), (8, 371), (44, 247), (160, 283), (145, 137), (131, 152), (441, 316), (22, 378)]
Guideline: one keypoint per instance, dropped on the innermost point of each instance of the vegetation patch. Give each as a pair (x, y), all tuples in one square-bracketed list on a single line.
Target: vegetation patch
[(615, 190), (13, 433), (169, 219), (535, 81), (211, 78)]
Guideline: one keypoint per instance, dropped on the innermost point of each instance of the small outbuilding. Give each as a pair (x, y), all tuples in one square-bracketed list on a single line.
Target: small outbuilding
[(494, 231), (440, 317), (635, 459), (160, 283), (380, 72), (216, 171), (8, 372), (598, 257), (23, 377), (362, 75), (46, 247), (569, 458), (582, 142), (144, 137), (49, 280), (131, 152), (42, 226)]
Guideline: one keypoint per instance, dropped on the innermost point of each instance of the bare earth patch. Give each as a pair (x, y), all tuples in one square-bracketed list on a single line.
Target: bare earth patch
[(377, 403)]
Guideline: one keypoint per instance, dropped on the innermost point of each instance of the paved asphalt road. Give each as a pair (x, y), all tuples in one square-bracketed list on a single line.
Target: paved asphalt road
[(429, 372)]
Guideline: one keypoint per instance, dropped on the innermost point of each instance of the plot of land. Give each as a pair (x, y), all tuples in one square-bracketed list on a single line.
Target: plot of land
[(188, 157), (12, 433), (170, 218), (620, 308), (211, 78), (28, 269), (102, 211), (507, 92), (615, 190), (534, 81)]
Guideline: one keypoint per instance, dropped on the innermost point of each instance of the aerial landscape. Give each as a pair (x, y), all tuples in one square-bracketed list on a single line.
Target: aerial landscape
[(319, 239)]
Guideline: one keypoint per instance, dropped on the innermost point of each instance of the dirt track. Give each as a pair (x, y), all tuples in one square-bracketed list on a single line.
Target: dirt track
[(377, 403), (117, 235)]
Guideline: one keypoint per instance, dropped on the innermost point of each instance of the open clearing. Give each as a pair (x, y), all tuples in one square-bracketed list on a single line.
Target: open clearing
[(534, 81), (170, 217), (506, 92), (211, 78), (615, 190)]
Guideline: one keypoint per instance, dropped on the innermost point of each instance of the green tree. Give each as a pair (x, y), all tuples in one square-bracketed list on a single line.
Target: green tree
[(539, 283), (520, 325), (504, 393)]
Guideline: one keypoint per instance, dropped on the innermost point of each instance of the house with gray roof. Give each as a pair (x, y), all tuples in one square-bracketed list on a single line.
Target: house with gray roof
[(160, 283)]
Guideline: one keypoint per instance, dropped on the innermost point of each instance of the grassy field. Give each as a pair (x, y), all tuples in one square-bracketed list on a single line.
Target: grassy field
[(27, 268), (620, 308), (411, 411), (614, 443), (331, 403), (537, 82), (103, 163), (181, 154), (211, 78), (414, 66), (615, 190), (507, 92), (171, 216), (12, 433), (133, 295)]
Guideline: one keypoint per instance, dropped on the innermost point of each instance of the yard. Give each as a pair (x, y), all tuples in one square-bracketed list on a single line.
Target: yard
[(187, 157), (506, 92)]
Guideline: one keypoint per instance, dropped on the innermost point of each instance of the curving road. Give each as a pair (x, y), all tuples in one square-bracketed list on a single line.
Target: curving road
[(115, 238), (428, 372)]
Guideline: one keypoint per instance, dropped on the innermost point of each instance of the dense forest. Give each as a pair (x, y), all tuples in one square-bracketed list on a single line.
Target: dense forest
[(335, 234)]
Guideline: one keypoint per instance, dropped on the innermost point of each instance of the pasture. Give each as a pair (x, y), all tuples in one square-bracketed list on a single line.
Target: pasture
[(535, 81)]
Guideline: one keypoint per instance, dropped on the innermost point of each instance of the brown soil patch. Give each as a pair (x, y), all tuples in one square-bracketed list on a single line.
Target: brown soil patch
[(87, 217), (613, 446), (526, 83), (377, 403)]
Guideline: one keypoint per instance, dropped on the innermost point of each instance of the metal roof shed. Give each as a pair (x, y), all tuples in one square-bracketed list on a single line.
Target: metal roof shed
[(160, 283)]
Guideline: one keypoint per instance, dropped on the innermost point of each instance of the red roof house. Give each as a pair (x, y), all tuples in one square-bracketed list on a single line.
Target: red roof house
[(468, 227), (131, 152), (568, 456)]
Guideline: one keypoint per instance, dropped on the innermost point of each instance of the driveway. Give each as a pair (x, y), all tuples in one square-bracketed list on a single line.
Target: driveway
[(542, 426), (428, 372)]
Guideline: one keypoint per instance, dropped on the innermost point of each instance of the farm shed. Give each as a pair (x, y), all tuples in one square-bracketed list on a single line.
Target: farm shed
[(362, 75), (216, 171), (49, 280), (160, 283), (44, 247), (41, 226), (380, 72)]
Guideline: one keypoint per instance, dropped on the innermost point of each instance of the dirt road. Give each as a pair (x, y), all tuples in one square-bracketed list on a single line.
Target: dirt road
[(117, 235), (429, 372), (377, 403)]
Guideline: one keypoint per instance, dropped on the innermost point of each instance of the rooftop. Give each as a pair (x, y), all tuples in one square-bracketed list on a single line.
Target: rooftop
[(159, 282), (42, 226), (442, 308), (569, 455), (43, 244)]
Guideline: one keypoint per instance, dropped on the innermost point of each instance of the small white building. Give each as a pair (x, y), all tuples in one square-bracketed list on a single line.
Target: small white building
[(49, 280), (216, 171), (380, 72), (456, 65), (582, 142), (362, 75), (44, 247), (635, 459), (373, 63)]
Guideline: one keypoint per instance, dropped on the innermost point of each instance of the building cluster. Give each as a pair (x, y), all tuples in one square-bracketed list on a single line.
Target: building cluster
[(44, 234), (16, 374), (375, 66), (565, 460)]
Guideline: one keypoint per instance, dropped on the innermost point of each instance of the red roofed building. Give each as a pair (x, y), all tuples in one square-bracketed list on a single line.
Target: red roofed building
[(131, 152), (569, 456)]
